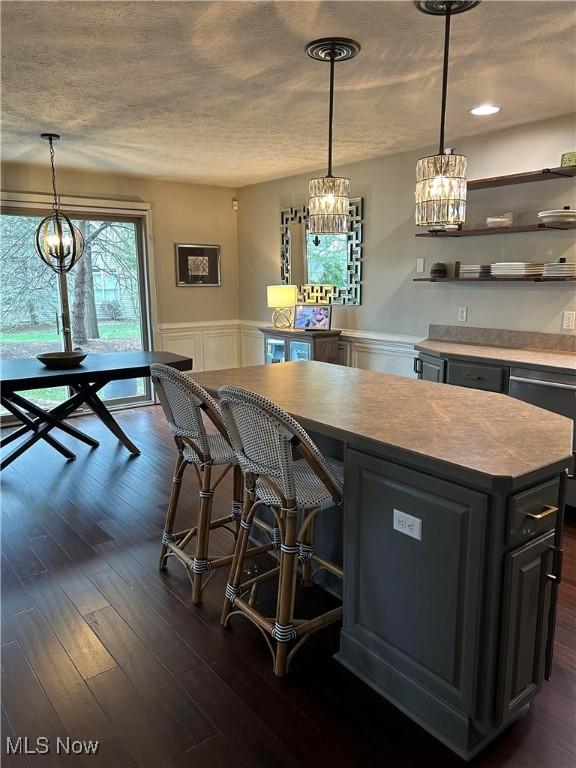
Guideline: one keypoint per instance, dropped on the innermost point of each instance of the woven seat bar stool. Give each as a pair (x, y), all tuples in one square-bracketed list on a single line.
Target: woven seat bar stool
[(267, 443), (184, 402)]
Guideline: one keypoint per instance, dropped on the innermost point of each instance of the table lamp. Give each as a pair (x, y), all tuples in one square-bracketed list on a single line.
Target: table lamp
[(282, 299)]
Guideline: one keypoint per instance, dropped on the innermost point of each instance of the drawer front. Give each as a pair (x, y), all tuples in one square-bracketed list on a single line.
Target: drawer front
[(487, 377), (532, 513)]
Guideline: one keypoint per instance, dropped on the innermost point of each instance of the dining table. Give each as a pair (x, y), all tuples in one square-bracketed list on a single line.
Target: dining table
[(84, 381)]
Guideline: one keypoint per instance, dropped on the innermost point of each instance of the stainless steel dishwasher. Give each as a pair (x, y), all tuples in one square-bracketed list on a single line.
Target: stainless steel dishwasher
[(552, 391)]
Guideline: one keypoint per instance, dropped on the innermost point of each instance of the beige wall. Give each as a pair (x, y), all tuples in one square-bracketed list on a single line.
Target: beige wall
[(391, 302), (181, 213)]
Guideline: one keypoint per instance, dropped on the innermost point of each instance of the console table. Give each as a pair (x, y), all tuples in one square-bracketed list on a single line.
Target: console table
[(283, 345)]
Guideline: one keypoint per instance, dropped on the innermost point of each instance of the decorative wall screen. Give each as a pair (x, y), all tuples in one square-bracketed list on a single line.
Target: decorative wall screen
[(349, 294)]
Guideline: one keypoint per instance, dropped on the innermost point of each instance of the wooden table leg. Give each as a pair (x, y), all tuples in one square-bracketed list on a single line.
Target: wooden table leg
[(25, 444), (30, 424), (55, 417), (93, 401), (40, 422), (41, 425)]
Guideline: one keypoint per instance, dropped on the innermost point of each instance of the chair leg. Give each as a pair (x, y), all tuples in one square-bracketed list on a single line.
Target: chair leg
[(306, 550), (239, 553), (284, 631), (237, 496), (201, 563), (172, 506)]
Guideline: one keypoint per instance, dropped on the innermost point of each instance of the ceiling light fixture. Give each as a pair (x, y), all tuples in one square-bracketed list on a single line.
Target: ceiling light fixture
[(59, 244), (441, 179), (485, 109), (57, 241), (329, 196)]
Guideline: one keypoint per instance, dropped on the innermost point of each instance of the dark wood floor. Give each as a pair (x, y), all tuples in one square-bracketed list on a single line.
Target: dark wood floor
[(96, 644)]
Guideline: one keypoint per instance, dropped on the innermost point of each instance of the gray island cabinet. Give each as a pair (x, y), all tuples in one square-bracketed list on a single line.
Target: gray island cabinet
[(451, 538)]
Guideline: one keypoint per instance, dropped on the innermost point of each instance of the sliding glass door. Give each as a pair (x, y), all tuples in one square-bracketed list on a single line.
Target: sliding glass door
[(106, 294)]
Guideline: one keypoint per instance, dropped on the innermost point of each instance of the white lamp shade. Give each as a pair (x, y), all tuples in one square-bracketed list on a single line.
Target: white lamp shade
[(280, 296)]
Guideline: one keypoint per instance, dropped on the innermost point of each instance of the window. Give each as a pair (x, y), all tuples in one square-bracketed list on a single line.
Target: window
[(107, 292)]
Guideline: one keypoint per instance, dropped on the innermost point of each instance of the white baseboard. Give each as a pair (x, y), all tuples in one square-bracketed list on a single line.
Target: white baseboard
[(232, 343)]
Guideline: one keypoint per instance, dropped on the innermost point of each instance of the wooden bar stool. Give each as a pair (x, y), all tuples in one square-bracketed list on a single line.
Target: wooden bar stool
[(184, 402), (266, 440)]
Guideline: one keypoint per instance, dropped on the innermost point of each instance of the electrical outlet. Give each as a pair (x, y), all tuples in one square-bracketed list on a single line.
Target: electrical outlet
[(569, 321), (462, 314), (408, 524), (419, 266)]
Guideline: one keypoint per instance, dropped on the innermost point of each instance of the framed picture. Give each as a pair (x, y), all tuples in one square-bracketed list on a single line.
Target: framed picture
[(313, 317), (197, 265)]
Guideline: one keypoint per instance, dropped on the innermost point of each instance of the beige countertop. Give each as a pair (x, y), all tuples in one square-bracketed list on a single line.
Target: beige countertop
[(482, 432), (543, 359)]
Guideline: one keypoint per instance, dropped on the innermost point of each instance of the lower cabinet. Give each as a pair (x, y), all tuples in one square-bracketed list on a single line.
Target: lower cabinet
[(446, 612), (283, 345), (526, 606), (413, 565), (429, 368), (279, 349)]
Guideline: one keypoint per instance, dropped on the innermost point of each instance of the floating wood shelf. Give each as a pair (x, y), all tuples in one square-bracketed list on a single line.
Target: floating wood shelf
[(496, 230), (493, 279), (546, 174)]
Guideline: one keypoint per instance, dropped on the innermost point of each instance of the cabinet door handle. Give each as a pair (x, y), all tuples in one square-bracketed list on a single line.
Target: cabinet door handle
[(417, 365), (474, 378), (540, 383), (546, 512)]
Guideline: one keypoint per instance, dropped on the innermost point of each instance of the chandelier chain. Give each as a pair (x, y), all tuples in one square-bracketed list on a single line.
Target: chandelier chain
[(56, 204)]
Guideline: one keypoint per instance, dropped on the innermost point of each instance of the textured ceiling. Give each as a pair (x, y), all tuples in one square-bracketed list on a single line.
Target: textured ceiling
[(222, 92)]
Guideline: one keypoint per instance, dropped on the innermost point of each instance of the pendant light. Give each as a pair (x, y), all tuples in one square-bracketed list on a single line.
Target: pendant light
[(57, 241), (329, 196), (441, 178)]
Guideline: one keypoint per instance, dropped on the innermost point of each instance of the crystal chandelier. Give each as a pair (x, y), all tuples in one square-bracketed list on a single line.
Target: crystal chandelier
[(441, 179), (329, 196), (57, 241)]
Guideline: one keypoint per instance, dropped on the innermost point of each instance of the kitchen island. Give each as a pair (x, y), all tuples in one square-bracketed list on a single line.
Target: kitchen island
[(451, 537), (538, 368)]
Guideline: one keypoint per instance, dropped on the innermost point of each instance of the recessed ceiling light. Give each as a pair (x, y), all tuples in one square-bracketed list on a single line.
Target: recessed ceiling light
[(485, 109)]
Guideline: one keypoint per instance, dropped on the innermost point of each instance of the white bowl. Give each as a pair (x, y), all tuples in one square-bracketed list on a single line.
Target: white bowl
[(505, 220)]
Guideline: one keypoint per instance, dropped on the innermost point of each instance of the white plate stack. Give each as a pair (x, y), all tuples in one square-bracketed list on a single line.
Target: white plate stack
[(564, 217), (474, 271), (516, 269), (560, 269)]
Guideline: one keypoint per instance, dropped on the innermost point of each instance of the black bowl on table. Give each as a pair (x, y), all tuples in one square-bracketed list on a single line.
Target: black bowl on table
[(61, 359)]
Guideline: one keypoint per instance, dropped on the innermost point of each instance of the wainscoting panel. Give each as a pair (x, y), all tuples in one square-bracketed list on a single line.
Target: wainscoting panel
[(232, 343), (251, 346), (397, 359), (188, 343), (220, 348), (343, 353)]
